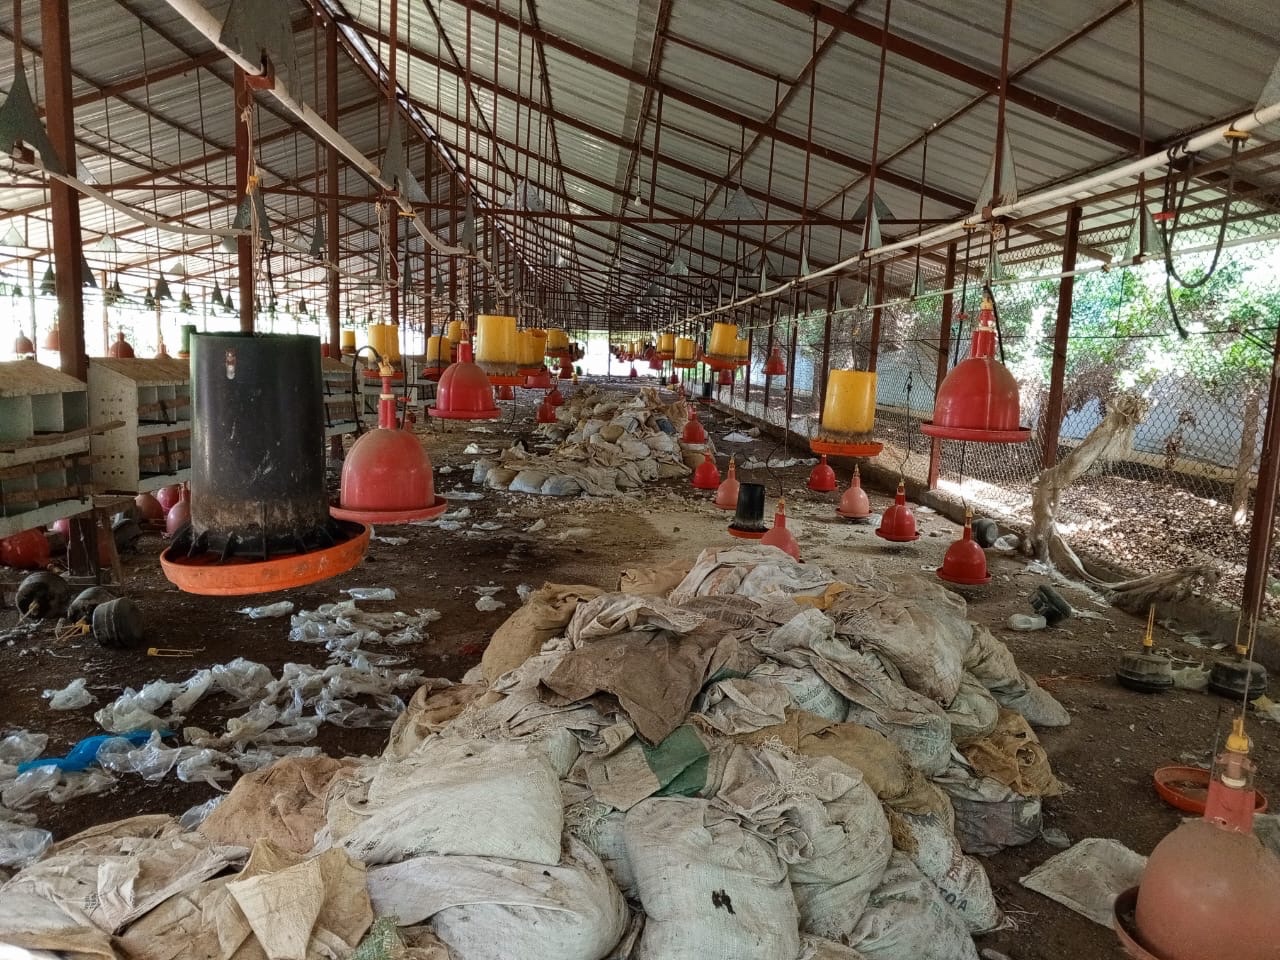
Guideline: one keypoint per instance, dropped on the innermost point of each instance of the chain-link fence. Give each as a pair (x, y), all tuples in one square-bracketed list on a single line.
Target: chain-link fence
[(1175, 490)]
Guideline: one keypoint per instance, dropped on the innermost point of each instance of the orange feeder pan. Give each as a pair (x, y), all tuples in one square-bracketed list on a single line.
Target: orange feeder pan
[(386, 478), (465, 393), (978, 400), (898, 523), (210, 576), (1187, 789), (722, 363), (837, 448)]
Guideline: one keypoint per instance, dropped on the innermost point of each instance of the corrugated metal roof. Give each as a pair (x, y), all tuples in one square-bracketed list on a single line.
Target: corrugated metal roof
[(720, 68)]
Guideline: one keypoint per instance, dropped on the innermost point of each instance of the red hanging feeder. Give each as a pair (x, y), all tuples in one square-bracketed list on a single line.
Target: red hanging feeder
[(464, 392), (779, 536), (898, 523), (566, 371), (694, 432), (505, 392), (823, 478), (774, 366), (554, 397), (655, 362), (725, 378), (632, 374), (707, 476), (854, 503), (22, 346), (978, 400), (386, 478), (546, 412), (169, 495), (727, 493), (539, 381), (964, 563)]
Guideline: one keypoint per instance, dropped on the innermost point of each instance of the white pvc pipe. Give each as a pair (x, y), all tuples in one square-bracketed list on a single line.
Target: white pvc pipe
[(208, 26), (1248, 122)]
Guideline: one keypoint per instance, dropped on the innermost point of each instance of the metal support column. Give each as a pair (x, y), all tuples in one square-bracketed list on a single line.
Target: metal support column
[(1262, 528), (332, 225), (244, 245), (1061, 330), (944, 348), (55, 27), (876, 315)]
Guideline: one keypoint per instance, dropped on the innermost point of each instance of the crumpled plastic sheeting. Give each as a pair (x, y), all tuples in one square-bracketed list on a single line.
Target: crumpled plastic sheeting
[(20, 843), (71, 697), (344, 630), (58, 786)]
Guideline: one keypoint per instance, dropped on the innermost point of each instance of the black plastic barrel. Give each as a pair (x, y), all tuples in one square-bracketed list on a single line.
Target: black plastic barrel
[(706, 391), (749, 513), (257, 447)]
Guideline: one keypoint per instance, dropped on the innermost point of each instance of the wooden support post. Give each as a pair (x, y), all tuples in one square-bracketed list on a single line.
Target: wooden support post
[(55, 26), (944, 348), (1061, 330)]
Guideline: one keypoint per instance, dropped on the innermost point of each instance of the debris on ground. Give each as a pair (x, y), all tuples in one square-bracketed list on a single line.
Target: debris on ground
[(747, 757)]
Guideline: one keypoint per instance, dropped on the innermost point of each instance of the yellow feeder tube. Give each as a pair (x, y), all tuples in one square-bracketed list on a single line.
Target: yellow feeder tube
[(724, 340), (530, 353), (667, 344), (437, 351), (496, 344), (348, 341), (454, 332), (684, 349), (851, 402)]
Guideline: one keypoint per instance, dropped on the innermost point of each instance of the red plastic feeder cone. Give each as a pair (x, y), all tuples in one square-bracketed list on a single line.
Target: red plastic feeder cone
[(707, 476), (725, 378), (727, 492), (554, 397), (149, 508), (898, 523), (964, 562), (464, 392), (566, 372), (774, 366), (121, 348), (506, 393), (631, 374), (854, 504), (169, 495), (978, 400), (779, 536), (546, 412), (694, 432), (386, 478), (28, 550), (539, 381), (823, 478), (177, 516)]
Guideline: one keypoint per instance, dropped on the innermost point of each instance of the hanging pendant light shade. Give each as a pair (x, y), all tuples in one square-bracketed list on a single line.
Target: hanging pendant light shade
[(898, 523), (727, 492), (48, 283), (107, 244), (964, 563), (387, 476), (184, 302), (978, 400), (162, 288), (854, 503), (822, 478), (13, 237), (774, 366), (149, 300), (464, 392), (779, 536), (707, 475), (216, 297), (230, 306)]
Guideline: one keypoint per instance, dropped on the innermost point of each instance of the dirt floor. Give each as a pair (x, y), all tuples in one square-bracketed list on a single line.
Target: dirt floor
[(1105, 757)]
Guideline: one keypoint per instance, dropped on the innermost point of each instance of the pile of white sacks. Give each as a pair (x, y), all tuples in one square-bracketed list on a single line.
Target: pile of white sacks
[(747, 757), (605, 443)]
